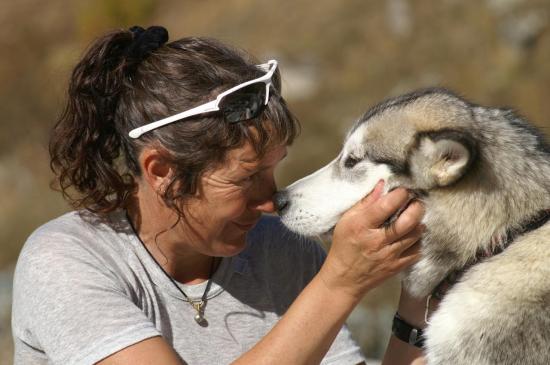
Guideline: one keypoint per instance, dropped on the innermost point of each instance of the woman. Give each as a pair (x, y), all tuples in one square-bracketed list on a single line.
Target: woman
[(168, 151)]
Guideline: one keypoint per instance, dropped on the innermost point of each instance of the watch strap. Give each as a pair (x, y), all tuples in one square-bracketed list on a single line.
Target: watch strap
[(407, 332)]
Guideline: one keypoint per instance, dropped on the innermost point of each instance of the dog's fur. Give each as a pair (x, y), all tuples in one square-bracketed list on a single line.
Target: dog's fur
[(482, 173)]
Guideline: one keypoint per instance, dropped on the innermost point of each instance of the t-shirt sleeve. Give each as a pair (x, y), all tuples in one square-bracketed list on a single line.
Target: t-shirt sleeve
[(68, 305)]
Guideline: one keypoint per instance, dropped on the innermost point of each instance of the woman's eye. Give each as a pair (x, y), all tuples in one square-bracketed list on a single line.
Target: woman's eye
[(351, 161), (249, 178)]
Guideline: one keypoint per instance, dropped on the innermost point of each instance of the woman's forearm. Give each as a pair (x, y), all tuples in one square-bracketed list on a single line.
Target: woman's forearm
[(306, 331), (362, 255), (398, 352)]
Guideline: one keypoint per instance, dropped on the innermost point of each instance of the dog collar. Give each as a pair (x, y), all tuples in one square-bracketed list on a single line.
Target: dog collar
[(498, 245)]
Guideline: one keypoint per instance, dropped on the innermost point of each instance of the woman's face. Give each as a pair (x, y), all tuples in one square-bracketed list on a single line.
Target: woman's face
[(231, 200)]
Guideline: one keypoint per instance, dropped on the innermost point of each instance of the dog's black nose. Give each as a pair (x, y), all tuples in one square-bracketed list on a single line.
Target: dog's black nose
[(281, 201)]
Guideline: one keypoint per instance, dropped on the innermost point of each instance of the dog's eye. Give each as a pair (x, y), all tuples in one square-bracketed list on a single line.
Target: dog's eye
[(351, 161)]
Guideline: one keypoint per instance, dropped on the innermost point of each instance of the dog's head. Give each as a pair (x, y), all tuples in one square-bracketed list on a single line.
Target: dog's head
[(421, 141), (481, 173)]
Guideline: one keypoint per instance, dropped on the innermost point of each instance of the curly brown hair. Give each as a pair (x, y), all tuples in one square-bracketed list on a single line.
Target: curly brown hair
[(111, 93)]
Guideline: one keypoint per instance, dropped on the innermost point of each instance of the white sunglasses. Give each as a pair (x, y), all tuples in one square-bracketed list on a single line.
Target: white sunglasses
[(242, 102)]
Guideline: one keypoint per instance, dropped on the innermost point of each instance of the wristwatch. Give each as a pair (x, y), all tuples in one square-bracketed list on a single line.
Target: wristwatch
[(407, 332)]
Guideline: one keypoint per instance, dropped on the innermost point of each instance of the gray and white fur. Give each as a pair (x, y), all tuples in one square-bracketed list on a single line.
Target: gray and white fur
[(482, 173)]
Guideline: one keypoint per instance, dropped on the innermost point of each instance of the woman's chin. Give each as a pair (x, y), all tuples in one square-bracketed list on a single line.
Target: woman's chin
[(232, 247)]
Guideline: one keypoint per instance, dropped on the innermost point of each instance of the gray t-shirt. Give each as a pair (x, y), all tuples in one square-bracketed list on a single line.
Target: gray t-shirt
[(85, 288)]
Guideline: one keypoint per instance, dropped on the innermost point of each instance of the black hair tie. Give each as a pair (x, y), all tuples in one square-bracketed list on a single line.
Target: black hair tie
[(145, 41)]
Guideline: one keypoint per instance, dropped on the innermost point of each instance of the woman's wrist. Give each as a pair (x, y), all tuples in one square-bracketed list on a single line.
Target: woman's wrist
[(338, 287), (412, 309), (403, 346), (337, 279)]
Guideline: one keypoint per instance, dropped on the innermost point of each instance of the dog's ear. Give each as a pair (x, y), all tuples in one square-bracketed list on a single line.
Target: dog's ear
[(442, 157)]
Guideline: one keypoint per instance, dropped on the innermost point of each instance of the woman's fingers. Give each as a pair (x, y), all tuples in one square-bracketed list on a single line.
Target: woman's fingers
[(407, 221), (406, 251), (360, 213), (379, 211), (406, 245), (362, 253), (375, 194), (409, 257)]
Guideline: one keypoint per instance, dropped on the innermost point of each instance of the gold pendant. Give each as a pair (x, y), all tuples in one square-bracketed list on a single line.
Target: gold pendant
[(199, 317)]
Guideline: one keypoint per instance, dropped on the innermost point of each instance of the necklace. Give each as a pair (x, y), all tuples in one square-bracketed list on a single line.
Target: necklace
[(198, 305)]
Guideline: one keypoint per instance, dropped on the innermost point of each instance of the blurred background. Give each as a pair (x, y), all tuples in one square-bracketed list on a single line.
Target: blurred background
[(337, 58)]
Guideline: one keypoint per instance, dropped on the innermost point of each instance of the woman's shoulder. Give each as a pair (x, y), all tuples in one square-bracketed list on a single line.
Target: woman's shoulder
[(62, 223), (71, 236), (78, 224), (69, 270), (55, 233), (67, 250)]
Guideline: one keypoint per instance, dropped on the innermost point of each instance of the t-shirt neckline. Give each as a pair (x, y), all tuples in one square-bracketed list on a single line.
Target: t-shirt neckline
[(220, 278)]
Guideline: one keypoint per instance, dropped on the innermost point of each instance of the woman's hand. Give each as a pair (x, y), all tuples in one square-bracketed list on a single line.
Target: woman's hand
[(362, 254)]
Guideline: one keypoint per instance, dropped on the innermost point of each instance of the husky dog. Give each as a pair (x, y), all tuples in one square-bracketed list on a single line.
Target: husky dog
[(483, 175)]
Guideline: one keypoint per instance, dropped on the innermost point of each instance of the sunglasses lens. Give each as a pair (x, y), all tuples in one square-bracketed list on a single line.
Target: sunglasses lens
[(244, 104)]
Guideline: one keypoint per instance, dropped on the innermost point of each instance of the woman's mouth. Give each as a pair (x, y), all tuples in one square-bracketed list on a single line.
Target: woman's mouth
[(245, 226)]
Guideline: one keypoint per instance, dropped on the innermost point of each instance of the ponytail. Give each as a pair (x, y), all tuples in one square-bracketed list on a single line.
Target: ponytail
[(85, 145)]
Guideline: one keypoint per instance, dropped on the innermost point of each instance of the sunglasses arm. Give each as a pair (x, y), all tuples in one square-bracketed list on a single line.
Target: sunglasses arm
[(211, 106)]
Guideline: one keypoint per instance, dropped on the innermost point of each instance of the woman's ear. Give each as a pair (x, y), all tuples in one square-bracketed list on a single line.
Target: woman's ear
[(156, 169)]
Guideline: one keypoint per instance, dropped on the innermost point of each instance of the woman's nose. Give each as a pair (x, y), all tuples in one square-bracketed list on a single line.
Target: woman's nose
[(266, 207)]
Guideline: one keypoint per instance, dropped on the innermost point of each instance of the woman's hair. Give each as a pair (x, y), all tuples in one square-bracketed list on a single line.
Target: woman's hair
[(120, 84)]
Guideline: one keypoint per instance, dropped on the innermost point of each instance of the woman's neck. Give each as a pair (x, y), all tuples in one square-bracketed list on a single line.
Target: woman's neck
[(154, 223)]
